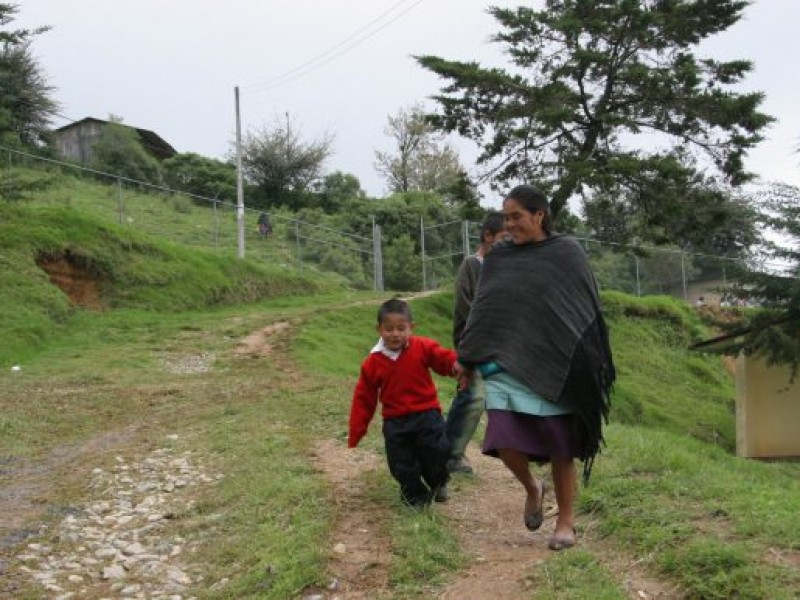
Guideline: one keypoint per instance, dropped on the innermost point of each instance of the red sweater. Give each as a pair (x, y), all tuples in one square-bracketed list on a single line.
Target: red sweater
[(403, 386)]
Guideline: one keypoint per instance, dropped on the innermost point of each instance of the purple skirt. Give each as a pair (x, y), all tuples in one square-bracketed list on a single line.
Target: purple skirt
[(541, 438)]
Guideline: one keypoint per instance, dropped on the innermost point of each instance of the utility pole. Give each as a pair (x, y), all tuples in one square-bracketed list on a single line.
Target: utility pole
[(239, 179)]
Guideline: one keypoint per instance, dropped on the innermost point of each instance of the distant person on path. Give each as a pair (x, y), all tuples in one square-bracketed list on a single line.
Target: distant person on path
[(264, 226), (537, 335), (467, 406), (397, 373)]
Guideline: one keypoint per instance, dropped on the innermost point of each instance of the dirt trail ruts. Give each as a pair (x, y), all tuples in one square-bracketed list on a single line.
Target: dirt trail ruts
[(360, 550), (487, 516)]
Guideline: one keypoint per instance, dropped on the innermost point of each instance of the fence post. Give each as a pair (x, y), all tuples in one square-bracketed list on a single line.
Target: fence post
[(120, 204), (216, 225), (465, 238), (297, 240), (638, 284), (683, 277), (8, 179), (422, 252), (377, 256)]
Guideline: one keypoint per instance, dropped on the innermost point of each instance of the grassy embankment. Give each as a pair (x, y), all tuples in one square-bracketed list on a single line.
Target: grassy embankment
[(129, 267), (667, 488)]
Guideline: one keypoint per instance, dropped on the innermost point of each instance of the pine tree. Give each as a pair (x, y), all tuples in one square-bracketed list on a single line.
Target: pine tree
[(607, 100)]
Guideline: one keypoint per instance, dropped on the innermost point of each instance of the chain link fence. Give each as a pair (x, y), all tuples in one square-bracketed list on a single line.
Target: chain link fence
[(638, 270), (211, 223), (195, 220)]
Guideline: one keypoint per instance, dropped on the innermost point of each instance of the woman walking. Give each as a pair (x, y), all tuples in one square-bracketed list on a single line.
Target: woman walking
[(537, 335)]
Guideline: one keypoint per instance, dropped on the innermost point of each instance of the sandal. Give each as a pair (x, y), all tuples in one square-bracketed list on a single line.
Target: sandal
[(533, 520), (558, 543)]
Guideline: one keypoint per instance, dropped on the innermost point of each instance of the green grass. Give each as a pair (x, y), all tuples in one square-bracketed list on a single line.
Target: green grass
[(667, 482), (574, 575), (666, 490), (130, 269)]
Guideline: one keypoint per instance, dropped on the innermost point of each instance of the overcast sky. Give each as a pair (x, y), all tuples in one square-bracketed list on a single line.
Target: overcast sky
[(336, 66)]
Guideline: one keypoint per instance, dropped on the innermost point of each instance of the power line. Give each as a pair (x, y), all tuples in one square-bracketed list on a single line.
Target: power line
[(332, 53), (322, 54)]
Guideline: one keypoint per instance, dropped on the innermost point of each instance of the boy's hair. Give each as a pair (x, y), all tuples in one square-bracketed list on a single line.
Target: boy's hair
[(395, 306), (493, 223)]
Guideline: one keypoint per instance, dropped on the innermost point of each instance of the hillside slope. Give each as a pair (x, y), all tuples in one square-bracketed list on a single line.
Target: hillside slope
[(55, 259)]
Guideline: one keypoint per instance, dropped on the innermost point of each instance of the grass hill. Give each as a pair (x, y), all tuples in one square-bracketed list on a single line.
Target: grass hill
[(110, 266)]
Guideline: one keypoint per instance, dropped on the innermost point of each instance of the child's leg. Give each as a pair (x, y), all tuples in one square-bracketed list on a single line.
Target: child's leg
[(398, 435), (433, 448)]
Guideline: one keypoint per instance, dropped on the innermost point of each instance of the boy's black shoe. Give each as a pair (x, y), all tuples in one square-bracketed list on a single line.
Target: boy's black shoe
[(459, 465), (415, 503), (441, 494)]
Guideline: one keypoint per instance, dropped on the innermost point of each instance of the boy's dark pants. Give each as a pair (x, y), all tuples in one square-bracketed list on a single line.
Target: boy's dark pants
[(417, 450)]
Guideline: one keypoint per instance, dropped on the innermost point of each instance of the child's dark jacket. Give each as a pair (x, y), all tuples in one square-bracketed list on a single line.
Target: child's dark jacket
[(403, 386)]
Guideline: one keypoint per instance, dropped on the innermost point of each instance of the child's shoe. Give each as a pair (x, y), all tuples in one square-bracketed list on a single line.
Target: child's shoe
[(441, 494)]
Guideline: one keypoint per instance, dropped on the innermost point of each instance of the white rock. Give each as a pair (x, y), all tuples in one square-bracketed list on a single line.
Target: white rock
[(106, 552), (131, 589), (75, 578), (340, 548), (179, 577), (27, 557), (113, 572), (134, 549)]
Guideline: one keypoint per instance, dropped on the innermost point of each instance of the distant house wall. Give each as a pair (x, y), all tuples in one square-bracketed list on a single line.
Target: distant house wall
[(74, 141), (767, 410)]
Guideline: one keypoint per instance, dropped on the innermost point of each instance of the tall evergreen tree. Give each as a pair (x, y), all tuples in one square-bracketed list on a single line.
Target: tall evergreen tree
[(604, 98), (773, 284), (26, 105)]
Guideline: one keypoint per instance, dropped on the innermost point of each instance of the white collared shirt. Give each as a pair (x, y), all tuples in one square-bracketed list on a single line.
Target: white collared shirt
[(381, 347)]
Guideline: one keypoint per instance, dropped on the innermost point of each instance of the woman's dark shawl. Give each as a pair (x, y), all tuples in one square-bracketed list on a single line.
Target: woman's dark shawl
[(537, 314)]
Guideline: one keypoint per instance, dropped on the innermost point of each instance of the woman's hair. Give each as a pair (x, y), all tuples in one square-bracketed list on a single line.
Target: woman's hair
[(395, 306), (533, 199)]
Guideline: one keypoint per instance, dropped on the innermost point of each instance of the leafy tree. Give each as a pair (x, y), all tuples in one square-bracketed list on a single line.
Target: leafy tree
[(463, 194), (26, 105), (689, 211), (280, 166), (773, 283), (605, 99), (336, 188), (401, 265), (120, 152), (200, 175), (421, 161)]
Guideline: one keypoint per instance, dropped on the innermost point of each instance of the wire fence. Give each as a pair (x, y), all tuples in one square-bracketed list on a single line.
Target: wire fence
[(197, 220), (211, 223), (639, 270)]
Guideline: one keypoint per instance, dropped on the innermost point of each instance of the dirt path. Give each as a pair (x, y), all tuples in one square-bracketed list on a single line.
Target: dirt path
[(486, 513)]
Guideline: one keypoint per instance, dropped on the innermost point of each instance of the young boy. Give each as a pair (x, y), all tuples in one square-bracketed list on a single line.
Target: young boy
[(397, 372)]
